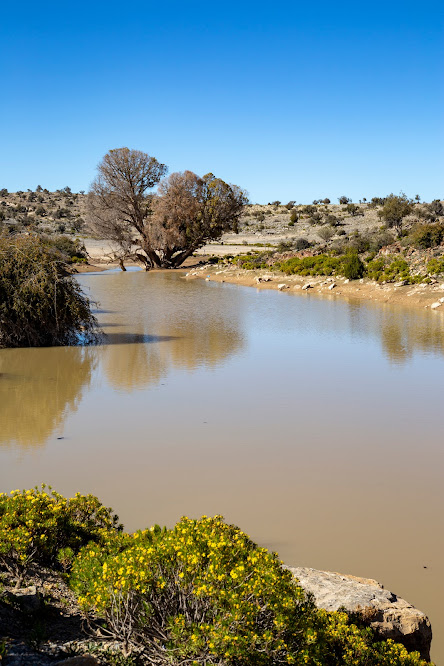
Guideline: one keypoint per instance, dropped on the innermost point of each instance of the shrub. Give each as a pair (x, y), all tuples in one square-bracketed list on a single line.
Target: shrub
[(293, 217), (316, 218), (326, 233), (204, 593), (427, 235), (41, 304), (44, 527), (332, 220), (73, 250), (344, 200), (308, 210), (321, 264), (251, 262), (301, 244), (352, 209), (395, 209), (435, 266), (352, 267)]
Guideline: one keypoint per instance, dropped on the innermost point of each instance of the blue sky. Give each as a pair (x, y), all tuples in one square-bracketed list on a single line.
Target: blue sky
[(289, 100)]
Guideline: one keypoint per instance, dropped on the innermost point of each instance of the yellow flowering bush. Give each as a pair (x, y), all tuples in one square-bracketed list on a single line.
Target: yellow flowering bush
[(42, 526), (204, 593)]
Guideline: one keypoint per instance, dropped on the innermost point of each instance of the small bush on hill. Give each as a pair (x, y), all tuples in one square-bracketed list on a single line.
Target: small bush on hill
[(435, 266), (424, 236)]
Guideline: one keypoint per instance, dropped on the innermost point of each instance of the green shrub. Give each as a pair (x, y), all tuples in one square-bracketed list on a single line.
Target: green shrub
[(253, 261), (41, 304), (45, 527), (204, 593), (435, 266), (321, 264), (293, 218), (424, 236), (352, 267)]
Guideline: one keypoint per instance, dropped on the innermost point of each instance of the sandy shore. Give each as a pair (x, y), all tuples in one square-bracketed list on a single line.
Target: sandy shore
[(419, 296)]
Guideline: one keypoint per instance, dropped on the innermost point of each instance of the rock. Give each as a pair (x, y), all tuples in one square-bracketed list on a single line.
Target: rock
[(85, 660), (436, 305), (265, 278), (346, 281), (307, 286), (401, 283), (297, 286), (27, 597), (441, 286), (332, 286), (441, 300), (389, 615), (282, 286)]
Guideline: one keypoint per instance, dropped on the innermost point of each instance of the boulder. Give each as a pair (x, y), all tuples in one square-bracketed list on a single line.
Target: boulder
[(282, 286), (307, 286), (436, 305), (332, 286), (27, 598), (389, 615)]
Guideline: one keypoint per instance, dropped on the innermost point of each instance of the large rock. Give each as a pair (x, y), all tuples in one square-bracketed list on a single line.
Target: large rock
[(389, 615)]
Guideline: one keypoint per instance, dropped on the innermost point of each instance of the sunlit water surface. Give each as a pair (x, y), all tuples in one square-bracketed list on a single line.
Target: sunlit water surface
[(316, 425)]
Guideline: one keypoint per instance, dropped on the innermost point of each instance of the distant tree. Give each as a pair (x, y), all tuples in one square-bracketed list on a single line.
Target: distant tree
[(352, 209), (290, 205), (417, 198), (39, 188), (164, 229), (41, 304), (395, 209), (326, 201), (4, 192), (275, 203), (344, 200)]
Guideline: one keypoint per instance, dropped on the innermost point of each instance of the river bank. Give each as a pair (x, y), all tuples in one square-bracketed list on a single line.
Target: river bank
[(422, 296)]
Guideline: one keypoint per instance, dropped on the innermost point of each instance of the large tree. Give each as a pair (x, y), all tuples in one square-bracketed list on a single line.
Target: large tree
[(165, 228)]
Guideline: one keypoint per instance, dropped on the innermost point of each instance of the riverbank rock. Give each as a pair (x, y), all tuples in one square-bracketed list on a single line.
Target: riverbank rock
[(389, 615)]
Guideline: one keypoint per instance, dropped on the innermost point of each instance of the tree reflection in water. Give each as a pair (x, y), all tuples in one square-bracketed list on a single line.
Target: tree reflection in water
[(38, 388)]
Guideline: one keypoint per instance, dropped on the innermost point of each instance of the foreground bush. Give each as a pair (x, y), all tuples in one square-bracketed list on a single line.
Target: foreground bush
[(43, 527), (201, 593), (41, 304)]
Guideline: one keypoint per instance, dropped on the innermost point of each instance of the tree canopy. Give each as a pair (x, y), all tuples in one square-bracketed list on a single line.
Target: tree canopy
[(164, 228), (41, 304), (395, 209)]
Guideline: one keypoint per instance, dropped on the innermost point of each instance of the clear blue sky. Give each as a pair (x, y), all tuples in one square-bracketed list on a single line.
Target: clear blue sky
[(290, 100)]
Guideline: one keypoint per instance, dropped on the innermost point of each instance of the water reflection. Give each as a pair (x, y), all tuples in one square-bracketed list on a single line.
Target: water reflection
[(182, 325), (402, 331), (38, 388)]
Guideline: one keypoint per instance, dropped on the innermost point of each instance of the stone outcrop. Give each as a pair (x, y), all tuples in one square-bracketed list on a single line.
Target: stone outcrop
[(389, 615)]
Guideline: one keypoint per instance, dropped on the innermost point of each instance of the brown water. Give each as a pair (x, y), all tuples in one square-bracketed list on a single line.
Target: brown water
[(314, 424)]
